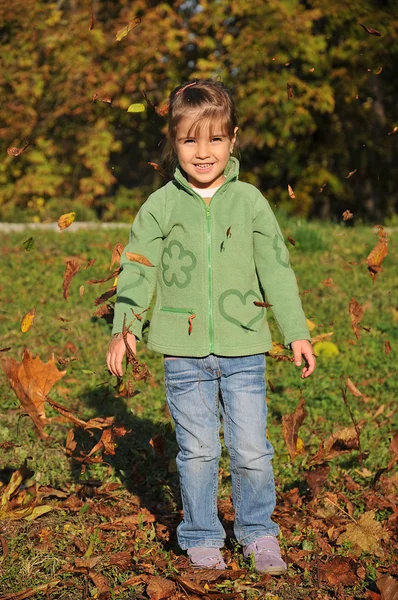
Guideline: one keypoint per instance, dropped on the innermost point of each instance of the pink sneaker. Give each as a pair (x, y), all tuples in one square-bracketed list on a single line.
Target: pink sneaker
[(267, 555), (206, 558)]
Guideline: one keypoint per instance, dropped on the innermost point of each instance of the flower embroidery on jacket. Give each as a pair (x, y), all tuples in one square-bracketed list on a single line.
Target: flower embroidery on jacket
[(177, 264)]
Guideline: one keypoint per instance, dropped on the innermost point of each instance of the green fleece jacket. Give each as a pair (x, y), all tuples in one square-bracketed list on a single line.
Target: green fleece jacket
[(211, 264)]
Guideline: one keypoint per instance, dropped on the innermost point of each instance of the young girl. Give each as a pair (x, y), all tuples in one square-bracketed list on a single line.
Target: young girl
[(219, 260)]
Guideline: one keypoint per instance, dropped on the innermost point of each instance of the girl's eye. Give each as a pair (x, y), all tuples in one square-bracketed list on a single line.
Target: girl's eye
[(188, 141), (216, 139)]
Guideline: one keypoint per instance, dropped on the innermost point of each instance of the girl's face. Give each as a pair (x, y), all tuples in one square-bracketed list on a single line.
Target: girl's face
[(202, 156)]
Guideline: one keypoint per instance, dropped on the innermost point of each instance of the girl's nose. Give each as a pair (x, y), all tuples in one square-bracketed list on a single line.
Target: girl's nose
[(202, 150)]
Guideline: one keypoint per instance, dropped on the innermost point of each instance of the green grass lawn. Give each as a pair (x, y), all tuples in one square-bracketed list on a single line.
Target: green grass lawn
[(36, 552)]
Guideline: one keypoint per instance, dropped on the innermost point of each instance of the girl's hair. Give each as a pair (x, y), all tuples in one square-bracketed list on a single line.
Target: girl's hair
[(212, 103)]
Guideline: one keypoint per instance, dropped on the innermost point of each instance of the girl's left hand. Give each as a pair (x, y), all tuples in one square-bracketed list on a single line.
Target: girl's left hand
[(304, 348)]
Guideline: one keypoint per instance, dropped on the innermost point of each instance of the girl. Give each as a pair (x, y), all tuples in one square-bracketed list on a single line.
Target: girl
[(219, 260)]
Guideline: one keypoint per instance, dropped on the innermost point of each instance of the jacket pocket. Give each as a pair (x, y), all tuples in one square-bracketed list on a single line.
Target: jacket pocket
[(184, 311)]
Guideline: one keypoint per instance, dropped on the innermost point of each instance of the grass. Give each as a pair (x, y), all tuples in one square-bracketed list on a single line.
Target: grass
[(44, 549)]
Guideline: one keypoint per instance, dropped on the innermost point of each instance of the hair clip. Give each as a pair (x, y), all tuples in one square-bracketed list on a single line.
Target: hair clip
[(185, 87)]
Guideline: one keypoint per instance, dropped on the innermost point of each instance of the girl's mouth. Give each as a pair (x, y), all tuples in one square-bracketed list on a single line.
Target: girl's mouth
[(204, 167)]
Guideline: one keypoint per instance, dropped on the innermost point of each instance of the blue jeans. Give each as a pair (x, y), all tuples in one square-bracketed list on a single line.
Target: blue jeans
[(198, 390)]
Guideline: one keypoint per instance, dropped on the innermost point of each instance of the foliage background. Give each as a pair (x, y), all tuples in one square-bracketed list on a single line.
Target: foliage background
[(92, 157)]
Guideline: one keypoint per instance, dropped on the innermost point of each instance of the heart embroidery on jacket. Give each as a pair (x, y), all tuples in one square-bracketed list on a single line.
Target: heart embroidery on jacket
[(231, 303)]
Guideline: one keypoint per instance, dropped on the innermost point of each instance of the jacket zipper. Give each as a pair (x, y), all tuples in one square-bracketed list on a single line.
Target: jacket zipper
[(210, 280), (186, 311)]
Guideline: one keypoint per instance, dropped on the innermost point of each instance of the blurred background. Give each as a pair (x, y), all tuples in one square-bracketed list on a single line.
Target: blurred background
[(314, 81)]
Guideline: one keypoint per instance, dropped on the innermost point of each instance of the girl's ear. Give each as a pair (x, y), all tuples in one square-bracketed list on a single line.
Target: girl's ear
[(233, 140)]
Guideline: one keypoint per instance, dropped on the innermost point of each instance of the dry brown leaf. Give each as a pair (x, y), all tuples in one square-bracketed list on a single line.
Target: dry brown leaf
[(32, 380), (365, 535), (394, 445), (262, 304), (71, 269), (115, 273), (322, 337), (4, 549), (338, 571), (190, 586), (387, 347), (290, 426), (28, 320), (12, 151), (388, 587), (160, 588), (317, 478), (161, 171), (70, 445), (102, 585), (395, 128), (371, 30), (29, 592), (356, 313), (339, 442), (347, 215), (289, 90), (116, 254), (106, 295), (92, 22), (328, 282), (353, 389), (140, 258), (66, 220), (291, 240), (351, 173), (378, 254)]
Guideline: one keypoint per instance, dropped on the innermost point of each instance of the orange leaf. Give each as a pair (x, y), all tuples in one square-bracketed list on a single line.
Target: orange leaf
[(17, 151), (159, 170), (356, 313), (160, 588), (378, 254), (28, 320), (32, 380), (66, 220), (347, 215), (291, 192), (140, 258)]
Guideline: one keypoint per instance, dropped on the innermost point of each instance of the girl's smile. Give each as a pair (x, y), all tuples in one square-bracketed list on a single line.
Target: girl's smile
[(203, 151)]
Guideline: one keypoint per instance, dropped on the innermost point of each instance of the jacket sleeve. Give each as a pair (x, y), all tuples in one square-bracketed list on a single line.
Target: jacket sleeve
[(275, 274), (136, 281)]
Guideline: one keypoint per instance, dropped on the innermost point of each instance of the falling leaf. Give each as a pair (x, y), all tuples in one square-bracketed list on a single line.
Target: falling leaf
[(356, 313), (160, 110), (32, 380), (106, 99), (159, 170), (28, 320), (365, 535), (322, 187), (262, 304), (116, 254), (342, 441), (322, 337), (92, 21), (347, 215), (125, 30), (378, 254), (17, 151), (328, 282), (310, 324), (289, 90), (370, 30), (291, 240), (71, 269), (271, 385), (353, 389), (29, 244), (351, 173), (394, 445), (387, 347), (291, 192), (81, 291), (136, 108), (393, 131), (228, 234), (311, 70), (290, 426), (105, 296), (379, 71), (66, 220), (90, 263), (190, 319), (140, 258), (115, 273)]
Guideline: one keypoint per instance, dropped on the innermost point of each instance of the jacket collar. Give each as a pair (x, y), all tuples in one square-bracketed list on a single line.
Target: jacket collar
[(231, 173)]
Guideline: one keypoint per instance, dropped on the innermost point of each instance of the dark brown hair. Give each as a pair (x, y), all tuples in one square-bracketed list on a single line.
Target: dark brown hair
[(212, 102)]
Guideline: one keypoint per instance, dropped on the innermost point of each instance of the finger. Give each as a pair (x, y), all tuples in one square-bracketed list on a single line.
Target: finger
[(297, 357), (310, 364)]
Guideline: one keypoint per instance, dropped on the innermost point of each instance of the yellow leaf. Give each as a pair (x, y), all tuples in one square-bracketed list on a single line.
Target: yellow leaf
[(136, 108), (38, 511), (365, 535), (66, 220), (125, 30), (310, 324), (277, 349), (27, 320), (299, 446)]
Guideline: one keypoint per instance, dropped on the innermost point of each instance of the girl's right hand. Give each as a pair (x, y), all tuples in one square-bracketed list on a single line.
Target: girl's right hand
[(116, 352)]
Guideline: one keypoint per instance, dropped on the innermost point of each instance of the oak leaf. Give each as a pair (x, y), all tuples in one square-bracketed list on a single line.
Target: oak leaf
[(32, 380)]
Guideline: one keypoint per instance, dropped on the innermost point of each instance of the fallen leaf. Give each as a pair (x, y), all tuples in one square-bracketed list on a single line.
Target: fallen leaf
[(66, 220), (353, 389), (160, 588), (317, 478), (356, 313), (290, 426), (291, 192), (388, 587), (190, 586), (4, 548), (365, 535), (116, 254), (387, 347), (28, 320), (101, 583), (378, 254), (32, 380), (338, 571), (370, 30), (71, 269), (378, 73), (29, 592), (134, 257), (17, 151), (125, 30)]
